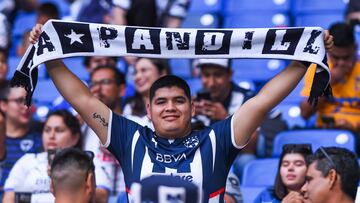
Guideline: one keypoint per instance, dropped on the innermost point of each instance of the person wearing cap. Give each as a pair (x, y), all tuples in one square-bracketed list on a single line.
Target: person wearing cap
[(224, 97)]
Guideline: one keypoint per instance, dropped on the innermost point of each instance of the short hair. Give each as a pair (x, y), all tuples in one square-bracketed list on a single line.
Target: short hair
[(345, 164), (169, 81), (305, 150), (343, 34), (48, 9), (86, 61), (70, 168), (5, 52), (119, 76)]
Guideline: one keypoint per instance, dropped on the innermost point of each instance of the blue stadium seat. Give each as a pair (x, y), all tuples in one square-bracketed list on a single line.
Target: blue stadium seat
[(260, 173), (249, 194), (245, 83), (301, 6), (256, 20), (77, 67), (317, 138), (45, 91), (257, 69), (318, 19), (234, 6), (295, 95), (291, 114), (205, 6), (181, 67), (42, 109), (201, 20), (195, 85), (24, 21)]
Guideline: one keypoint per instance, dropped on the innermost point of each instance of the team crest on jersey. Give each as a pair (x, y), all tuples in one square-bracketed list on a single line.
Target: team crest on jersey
[(191, 142), (26, 145)]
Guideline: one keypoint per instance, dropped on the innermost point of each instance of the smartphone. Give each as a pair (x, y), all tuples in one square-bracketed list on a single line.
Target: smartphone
[(203, 95), (328, 120)]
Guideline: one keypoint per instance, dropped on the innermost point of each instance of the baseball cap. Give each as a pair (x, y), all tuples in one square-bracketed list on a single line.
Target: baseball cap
[(223, 63), (164, 189)]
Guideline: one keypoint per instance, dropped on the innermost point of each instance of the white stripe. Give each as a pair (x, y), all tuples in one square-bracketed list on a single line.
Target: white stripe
[(147, 165), (215, 199), (233, 135), (108, 137), (213, 146), (133, 144)]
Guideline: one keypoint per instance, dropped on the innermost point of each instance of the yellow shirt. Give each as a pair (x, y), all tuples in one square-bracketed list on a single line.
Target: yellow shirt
[(346, 96)]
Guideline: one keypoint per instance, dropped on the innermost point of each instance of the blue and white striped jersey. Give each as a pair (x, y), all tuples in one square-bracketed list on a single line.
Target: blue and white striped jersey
[(202, 157)]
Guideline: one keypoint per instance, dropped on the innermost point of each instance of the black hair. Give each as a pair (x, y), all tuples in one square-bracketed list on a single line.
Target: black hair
[(71, 122), (305, 150), (68, 166), (343, 161), (87, 59), (5, 52), (162, 65), (343, 34), (169, 81), (118, 75), (4, 90), (48, 9)]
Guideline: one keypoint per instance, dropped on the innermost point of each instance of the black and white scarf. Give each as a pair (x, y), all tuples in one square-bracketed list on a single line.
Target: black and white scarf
[(61, 39)]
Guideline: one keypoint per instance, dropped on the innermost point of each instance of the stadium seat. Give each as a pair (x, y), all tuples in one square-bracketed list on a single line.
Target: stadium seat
[(318, 19), (260, 173), (257, 69), (45, 91), (194, 84), (234, 6), (205, 6), (181, 67), (201, 20), (301, 6), (316, 137), (295, 95), (255, 19), (76, 65), (245, 83), (291, 114), (24, 21), (249, 194)]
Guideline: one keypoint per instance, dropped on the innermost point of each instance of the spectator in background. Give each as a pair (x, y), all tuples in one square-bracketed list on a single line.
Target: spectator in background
[(290, 176), (30, 173), (332, 176), (20, 138), (154, 13), (352, 12), (342, 110), (93, 11), (219, 99), (4, 32), (69, 169), (47, 11), (232, 190), (91, 62), (3, 66), (147, 70)]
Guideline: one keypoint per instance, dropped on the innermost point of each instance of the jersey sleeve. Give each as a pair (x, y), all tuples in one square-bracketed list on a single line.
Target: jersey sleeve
[(120, 133), (18, 173)]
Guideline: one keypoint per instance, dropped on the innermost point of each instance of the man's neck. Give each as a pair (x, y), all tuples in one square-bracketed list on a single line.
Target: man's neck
[(16, 131), (339, 197), (70, 198)]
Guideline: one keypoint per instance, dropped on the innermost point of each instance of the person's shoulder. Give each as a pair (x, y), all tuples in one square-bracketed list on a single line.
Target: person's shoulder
[(267, 195)]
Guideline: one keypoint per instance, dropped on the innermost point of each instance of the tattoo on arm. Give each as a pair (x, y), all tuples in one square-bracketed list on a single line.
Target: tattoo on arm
[(101, 119)]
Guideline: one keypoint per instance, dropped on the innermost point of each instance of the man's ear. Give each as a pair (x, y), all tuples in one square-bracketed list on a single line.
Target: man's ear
[(52, 187), (192, 108), (90, 183), (148, 110), (332, 176), (3, 106)]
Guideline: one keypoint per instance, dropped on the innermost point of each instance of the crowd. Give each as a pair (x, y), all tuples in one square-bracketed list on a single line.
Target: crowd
[(105, 143)]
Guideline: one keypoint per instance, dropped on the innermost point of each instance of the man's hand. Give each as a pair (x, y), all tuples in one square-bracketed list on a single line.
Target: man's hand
[(35, 33), (213, 110), (328, 40)]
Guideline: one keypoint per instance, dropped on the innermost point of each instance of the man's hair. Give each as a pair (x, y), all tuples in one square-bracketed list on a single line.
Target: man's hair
[(70, 168), (305, 150), (4, 52), (4, 90), (48, 9), (118, 75), (345, 165), (169, 81), (343, 34), (87, 59)]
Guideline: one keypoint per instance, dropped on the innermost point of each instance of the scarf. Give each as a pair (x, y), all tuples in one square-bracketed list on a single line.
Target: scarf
[(61, 39)]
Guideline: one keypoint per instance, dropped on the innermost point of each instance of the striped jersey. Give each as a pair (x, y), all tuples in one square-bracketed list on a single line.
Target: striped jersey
[(202, 157)]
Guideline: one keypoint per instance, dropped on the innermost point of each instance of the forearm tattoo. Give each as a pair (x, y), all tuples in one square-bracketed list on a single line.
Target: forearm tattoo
[(101, 119)]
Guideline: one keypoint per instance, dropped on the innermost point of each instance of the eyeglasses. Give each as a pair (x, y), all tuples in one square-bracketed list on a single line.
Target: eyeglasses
[(18, 101), (101, 82), (304, 147), (328, 158)]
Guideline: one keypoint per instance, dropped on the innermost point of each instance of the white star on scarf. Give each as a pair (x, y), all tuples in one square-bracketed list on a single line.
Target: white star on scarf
[(74, 37)]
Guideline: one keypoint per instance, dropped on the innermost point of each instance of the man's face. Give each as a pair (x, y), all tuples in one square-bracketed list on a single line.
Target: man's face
[(316, 187), (343, 60), (216, 80), (171, 111), (15, 109), (103, 86)]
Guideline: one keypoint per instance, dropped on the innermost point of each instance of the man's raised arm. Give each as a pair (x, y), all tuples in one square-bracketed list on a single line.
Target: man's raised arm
[(250, 115), (95, 113)]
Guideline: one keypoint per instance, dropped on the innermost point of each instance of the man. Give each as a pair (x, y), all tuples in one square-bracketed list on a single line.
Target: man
[(332, 176), (224, 98), (92, 62), (73, 177), (342, 111), (202, 157), (20, 139)]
